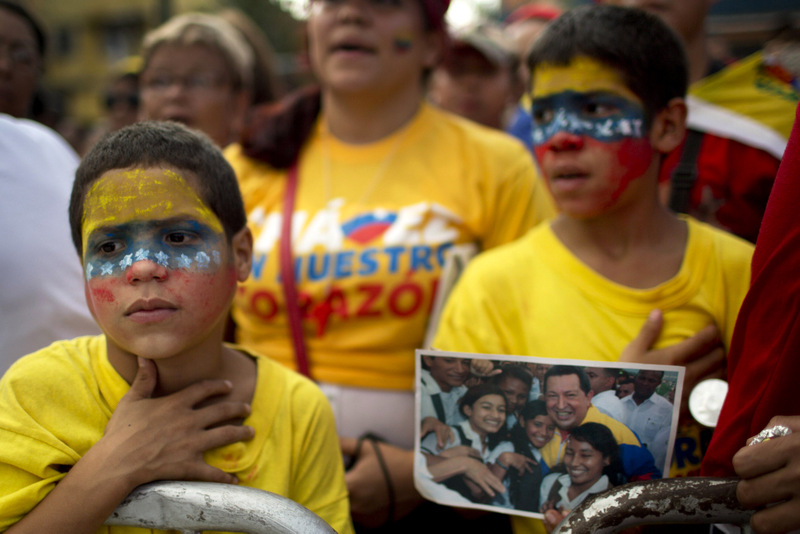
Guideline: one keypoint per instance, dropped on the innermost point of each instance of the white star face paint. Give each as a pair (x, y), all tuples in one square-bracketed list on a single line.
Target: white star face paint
[(155, 260)]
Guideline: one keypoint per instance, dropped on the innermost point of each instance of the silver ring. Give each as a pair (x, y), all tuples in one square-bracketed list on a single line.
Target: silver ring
[(771, 432)]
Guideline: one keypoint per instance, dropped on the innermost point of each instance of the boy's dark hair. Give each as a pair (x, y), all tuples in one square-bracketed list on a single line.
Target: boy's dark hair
[(564, 370), (161, 143), (513, 371), (641, 47)]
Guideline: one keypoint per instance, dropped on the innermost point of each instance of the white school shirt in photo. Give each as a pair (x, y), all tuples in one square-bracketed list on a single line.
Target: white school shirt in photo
[(449, 399)]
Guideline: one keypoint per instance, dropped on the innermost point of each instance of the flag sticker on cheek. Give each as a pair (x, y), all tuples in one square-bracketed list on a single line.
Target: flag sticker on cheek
[(402, 42)]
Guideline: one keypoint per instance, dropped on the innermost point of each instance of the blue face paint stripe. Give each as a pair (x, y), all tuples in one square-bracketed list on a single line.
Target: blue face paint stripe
[(569, 112), (201, 255)]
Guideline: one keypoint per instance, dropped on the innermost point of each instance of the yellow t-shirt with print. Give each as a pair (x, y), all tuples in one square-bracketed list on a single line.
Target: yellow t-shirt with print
[(371, 228)]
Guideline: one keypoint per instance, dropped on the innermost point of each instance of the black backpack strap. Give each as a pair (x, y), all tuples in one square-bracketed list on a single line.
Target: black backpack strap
[(554, 489), (438, 406), (685, 174), (462, 436)]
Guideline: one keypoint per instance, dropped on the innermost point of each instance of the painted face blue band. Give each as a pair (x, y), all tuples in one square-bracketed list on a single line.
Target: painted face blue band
[(113, 252), (601, 116)]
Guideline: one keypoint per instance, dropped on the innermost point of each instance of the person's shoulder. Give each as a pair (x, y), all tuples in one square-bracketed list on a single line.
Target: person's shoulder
[(622, 433), (720, 241), (520, 251), (33, 134), (661, 402), (472, 134), (286, 383), (55, 368), (247, 168)]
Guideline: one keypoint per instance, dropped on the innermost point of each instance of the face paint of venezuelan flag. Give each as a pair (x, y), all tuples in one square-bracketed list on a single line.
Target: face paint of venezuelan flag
[(584, 98), (590, 137), (153, 214), (403, 42)]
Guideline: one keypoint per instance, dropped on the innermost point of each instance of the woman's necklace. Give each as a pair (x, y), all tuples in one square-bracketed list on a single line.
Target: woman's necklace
[(379, 173), (322, 311)]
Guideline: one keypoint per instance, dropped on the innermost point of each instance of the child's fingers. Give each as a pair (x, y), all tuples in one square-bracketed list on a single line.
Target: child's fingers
[(200, 391), (223, 435), (693, 348), (144, 383), (645, 338), (206, 473), (491, 485), (444, 435), (220, 413), (782, 517)]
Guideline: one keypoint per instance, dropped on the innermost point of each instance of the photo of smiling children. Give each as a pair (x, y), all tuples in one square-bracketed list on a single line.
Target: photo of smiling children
[(548, 454)]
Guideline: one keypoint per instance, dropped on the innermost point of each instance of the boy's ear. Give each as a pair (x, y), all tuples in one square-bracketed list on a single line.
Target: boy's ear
[(242, 249), (669, 126)]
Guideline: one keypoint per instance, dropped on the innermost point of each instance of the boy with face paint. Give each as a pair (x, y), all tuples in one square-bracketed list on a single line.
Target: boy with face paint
[(159, 224), (607, 92)]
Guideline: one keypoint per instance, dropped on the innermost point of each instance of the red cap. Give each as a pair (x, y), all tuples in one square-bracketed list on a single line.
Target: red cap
[(534, 11)]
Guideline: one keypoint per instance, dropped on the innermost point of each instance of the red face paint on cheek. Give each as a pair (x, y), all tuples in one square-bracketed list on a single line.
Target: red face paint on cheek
[(633, 158)]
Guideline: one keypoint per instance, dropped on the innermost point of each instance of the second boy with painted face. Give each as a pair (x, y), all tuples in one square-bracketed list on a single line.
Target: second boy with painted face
[(607, 91)]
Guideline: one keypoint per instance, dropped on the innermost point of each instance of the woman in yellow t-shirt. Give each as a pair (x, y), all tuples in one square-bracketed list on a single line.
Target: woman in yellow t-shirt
[(381, 187)]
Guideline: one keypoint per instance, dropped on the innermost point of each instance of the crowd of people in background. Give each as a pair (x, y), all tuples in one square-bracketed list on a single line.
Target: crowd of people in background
[(606, 171)]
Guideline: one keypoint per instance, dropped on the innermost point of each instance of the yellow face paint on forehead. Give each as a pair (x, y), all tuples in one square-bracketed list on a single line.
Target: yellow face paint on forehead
[(123, 196), (581, 75)]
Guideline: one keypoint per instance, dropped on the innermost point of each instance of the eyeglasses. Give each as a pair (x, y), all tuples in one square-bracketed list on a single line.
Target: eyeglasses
[(19, 54), (201, 81), (129, 99)]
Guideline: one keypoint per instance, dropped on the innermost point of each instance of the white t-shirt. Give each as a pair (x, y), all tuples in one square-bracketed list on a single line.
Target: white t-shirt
[(432, 395), (651, 420), (41, 280), (564, 501), (608, 403)]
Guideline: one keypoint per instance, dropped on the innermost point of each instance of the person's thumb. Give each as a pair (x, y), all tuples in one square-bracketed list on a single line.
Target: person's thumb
[(144, 383), (645, 339)]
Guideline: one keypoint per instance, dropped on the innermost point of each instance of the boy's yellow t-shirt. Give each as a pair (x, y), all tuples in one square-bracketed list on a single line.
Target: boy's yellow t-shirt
[(533, 297), (56, 402)]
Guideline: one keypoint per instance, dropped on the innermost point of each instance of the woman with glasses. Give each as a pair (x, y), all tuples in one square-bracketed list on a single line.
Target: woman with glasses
[(197, 71)]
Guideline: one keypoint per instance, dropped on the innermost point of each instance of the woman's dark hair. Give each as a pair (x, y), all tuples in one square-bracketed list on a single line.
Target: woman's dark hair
[(640, 46), (532, 409), (275, 133), (471, 397), (161, 143), (476, 392), (600, 437)]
